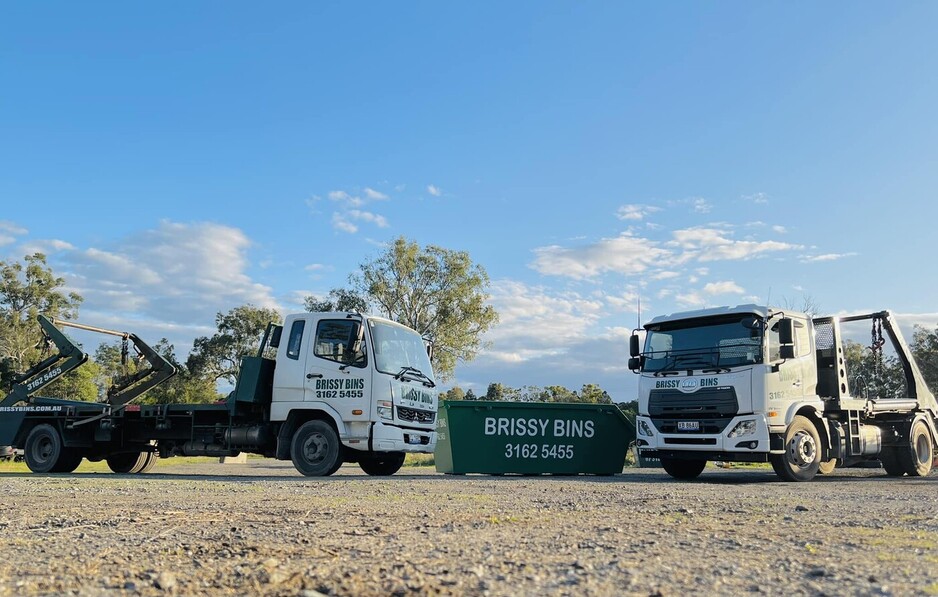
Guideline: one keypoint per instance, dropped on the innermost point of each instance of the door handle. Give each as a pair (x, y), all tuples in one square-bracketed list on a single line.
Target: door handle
[(312, 375)]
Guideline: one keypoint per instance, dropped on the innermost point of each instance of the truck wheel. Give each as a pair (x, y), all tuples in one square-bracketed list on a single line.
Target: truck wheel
[(43, 448), (802, 457), (827, 467), (127, 462), (315, 449), (382, 465), (683, 469), (68, 461), (920, 455), (149, 462)]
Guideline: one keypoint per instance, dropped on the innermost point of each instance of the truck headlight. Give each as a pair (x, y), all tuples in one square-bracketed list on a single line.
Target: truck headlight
[(743, 428), (385, 409), (644, 429)]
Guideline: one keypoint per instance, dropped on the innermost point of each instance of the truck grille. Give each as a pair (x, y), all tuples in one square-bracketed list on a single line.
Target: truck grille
[(712, 408), (413, 415)]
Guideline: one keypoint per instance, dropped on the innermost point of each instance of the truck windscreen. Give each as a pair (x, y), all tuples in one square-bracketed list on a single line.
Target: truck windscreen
[(703, 343), (399, 349)]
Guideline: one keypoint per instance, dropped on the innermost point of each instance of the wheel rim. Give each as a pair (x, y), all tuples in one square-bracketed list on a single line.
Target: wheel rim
[(802, 450), (43, 449), (922, 445), (315, 448)]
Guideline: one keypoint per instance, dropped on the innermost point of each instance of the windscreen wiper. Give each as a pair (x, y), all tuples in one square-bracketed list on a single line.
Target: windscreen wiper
[(417, 373)]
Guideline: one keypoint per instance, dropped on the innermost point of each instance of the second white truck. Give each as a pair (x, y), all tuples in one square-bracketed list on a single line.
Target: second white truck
[(760, 384)]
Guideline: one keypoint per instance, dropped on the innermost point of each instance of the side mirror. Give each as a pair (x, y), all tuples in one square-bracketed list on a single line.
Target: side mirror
[(786, 331), (634, 350), (635, 363), (430, 350), (786, 351)]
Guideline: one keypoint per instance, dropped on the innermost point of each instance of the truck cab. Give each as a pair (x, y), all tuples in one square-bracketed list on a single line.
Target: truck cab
[(371, 376)]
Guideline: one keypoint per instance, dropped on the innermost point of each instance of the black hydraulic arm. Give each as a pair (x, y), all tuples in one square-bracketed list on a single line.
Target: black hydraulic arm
[(43, 373), (70, 356)]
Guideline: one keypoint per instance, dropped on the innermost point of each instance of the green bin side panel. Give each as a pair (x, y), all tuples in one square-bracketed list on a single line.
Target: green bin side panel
[(530, 438), (255, 380)]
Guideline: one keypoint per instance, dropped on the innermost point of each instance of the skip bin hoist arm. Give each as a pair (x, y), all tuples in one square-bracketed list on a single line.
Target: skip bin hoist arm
[(124, 389), (49, 369)]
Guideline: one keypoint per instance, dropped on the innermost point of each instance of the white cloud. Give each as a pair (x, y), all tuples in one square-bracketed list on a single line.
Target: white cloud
[(9, 231), (174, 277), (780, 229), (434, 190), (665, 275), (711, 244), (315, 267), (345, 198), (701, 205), (340, 223), (635, 211), (825, 257), (47, 247), (690, 299), (714, 288), (375, 195), (367, 216), (534, 322), (760, 198), (624, 254)]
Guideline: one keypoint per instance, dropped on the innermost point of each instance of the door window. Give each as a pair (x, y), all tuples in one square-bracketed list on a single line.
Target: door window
[(337, 340), (296, 338)]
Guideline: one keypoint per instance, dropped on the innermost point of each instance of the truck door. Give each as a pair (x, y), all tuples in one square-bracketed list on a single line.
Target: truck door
[(788, 383), (290, 373), (337, 366)]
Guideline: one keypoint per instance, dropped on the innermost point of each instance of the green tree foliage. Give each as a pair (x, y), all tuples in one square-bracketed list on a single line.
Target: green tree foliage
[(925, 349), (588, 394), (456, 393), (239, 334), (872, 376), (436, 291), (28, 289), (184, 387), (339, 299)]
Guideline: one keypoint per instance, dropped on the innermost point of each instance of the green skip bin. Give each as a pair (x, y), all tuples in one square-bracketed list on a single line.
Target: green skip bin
[(530, 438)]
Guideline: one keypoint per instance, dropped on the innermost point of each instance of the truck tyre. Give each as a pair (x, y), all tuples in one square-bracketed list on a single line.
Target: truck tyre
[(382, 465), (126, 463), (683, 469), (802, 457), (920, 454), (68, 461), (315, 449), (43, 448), (149, 463), (827, 467)]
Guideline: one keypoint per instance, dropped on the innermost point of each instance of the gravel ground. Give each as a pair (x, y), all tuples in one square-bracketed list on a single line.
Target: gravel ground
[(260, 528)]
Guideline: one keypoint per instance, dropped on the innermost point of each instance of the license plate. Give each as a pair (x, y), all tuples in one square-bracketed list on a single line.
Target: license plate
[(688, 425), (414, 439)]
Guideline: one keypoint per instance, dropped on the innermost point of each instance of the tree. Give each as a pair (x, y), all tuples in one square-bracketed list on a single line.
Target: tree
[(872, 376), (239, 334), (455, 393), (27, 290), (436, 291), (340, 299), (184, 387), (593, 394), (925, 350)]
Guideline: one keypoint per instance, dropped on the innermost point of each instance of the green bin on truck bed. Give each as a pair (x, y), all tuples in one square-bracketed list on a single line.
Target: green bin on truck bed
[(530, 438)]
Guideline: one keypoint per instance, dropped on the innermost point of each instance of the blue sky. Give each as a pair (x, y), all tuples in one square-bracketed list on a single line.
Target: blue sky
[(182, 159)]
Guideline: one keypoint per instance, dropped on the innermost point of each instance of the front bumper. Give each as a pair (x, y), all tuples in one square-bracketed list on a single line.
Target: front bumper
[(390, 438), (751, 447)]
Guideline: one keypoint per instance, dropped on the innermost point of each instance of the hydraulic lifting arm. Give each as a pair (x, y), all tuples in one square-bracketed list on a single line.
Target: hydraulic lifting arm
[(71, 356), (43, 373)]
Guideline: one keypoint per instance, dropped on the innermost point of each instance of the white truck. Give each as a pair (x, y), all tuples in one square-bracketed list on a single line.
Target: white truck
[(343, 387), (761, 384)]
